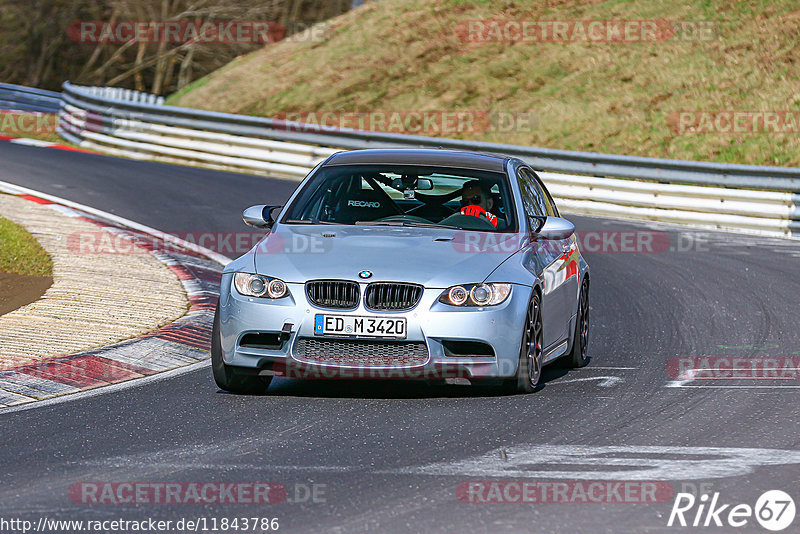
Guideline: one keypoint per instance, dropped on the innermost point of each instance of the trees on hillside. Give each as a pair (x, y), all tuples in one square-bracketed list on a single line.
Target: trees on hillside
[(131, 43)]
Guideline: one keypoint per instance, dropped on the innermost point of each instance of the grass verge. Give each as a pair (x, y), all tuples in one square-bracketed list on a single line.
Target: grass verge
[(30, 125), (21, 253)]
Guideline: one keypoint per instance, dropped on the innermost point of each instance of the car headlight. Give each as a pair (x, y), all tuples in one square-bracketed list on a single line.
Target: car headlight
[(476, 294), (254, 285)]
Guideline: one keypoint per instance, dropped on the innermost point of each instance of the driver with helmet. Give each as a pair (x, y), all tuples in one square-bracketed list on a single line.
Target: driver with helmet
[(476, 200)]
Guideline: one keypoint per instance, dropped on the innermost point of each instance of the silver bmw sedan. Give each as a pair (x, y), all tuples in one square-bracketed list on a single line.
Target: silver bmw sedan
[(405, 264)]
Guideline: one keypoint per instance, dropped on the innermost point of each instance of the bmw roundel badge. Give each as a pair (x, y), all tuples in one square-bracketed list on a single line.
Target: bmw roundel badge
[(365, 274)]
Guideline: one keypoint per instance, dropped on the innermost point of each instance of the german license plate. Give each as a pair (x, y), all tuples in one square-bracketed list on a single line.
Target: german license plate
[(349, 325)]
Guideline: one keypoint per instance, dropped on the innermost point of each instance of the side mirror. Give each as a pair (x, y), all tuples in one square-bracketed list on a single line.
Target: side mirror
[(259, 216), (556, 228)]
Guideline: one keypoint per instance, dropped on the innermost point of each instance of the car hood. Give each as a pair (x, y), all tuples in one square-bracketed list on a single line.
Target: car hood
[(432, 257)]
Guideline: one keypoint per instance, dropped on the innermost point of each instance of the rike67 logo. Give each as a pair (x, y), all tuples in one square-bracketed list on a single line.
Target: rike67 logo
[(774, 510)]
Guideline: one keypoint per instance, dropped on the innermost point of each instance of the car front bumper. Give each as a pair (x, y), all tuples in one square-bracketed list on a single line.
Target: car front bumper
[(448, 335)]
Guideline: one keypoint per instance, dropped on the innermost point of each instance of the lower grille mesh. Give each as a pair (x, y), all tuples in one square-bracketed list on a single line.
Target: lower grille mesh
[(361, 353)]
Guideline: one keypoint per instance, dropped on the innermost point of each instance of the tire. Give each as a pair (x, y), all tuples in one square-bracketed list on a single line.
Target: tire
[(529, 368), (578, 356), (226, 376)]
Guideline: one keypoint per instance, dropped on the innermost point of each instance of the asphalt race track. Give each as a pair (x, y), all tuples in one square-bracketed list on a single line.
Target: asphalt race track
[(389, 456)]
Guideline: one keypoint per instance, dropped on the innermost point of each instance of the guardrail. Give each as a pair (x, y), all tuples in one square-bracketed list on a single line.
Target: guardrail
[(742, 197), (129, 95), (21, 98)]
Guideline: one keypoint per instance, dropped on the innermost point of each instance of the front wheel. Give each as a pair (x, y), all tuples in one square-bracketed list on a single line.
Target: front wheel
[(529, 368), (226, 376), (578, 357)]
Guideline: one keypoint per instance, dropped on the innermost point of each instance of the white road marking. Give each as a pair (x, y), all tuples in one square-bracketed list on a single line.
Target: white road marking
[(115, 464), (676, 383), (591, 367), (31, 142), (544, 462), (682, 384), (64, 210), (624, 462), (707, 386), (605, 381)]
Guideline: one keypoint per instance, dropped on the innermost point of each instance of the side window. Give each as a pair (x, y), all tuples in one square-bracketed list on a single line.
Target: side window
[(533, 197), (549, 205)]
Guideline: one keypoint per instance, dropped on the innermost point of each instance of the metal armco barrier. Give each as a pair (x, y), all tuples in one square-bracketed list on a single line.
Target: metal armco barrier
[(20, 98), (712, 195), (117, 93)]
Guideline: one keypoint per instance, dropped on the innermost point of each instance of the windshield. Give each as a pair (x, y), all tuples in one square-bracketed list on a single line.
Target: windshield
[(403, 195)]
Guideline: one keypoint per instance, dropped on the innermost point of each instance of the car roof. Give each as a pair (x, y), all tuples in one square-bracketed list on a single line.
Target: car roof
[(460, 159)]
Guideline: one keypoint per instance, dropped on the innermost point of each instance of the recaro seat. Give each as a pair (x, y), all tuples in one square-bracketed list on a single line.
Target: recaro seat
[(363, 205)]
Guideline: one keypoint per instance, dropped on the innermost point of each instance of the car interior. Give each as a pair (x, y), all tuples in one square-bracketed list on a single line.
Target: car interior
[(405, 197)]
